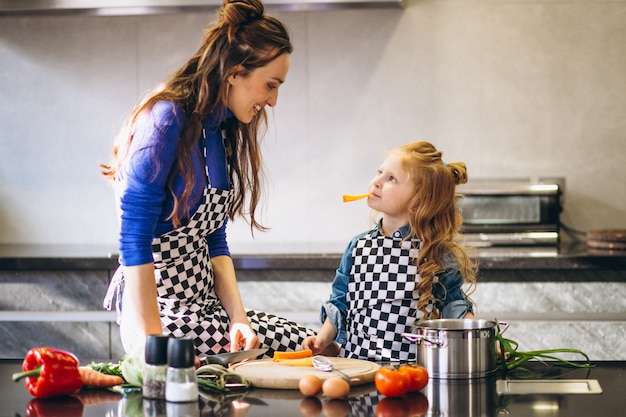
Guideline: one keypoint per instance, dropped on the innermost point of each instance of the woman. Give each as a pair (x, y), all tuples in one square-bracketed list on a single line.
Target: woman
[(187, 159)]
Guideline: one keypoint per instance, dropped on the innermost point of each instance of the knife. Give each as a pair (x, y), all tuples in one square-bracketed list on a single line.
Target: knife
[(227, 358)]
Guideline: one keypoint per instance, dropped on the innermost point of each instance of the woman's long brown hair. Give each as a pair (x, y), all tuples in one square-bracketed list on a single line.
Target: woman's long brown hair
[(242, 39)]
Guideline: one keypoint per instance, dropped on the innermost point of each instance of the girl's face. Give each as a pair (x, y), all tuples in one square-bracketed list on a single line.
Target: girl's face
[(392, 189), (249, 93)]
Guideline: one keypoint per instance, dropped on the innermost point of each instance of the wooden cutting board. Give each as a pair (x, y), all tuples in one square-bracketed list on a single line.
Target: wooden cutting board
[(265, 373)]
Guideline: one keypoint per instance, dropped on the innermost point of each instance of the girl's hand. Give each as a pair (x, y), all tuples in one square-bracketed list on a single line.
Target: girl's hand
[(242, 337), (315, 343)]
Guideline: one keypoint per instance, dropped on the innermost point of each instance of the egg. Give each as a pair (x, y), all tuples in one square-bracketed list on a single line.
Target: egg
[(310, 385), (336, 387), (310, 407), (336, 408)]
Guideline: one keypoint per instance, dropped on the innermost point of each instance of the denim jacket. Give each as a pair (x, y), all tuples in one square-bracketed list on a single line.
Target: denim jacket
[(452, 301)]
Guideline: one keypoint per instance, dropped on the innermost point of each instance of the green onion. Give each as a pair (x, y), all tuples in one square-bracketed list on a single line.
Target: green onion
[(218, 378), (510, 358)]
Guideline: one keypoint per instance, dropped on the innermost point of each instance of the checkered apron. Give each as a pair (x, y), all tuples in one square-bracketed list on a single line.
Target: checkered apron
[(186, 291), (184, 276), (382, 299), (185, 286)]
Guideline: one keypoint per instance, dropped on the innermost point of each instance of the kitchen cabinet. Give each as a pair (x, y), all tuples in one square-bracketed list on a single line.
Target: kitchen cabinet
[(553, 297), (53, 297)]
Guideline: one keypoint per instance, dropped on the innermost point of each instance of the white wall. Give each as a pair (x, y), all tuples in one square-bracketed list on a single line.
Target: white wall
[(513, 88)]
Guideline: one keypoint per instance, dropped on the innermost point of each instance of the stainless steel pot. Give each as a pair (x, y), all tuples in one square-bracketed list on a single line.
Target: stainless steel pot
[(476, 397), (456, 348)]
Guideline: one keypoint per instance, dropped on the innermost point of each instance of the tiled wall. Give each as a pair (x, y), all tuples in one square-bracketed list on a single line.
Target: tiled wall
[(586, 316), (513, 88), (63, 309)]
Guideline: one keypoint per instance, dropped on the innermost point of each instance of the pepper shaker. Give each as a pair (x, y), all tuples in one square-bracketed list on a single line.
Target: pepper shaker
[(155, 370), (181, 383), (154, 408)]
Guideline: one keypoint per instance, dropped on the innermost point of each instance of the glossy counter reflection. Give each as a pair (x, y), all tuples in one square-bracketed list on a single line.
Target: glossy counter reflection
[(440, 398)]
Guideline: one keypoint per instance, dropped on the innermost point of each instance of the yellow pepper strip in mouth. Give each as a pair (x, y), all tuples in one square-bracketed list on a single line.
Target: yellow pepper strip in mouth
[(349, 197)]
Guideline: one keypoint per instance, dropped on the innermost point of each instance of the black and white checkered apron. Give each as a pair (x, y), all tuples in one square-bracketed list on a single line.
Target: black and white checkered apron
[(186, 287), (382, 299)]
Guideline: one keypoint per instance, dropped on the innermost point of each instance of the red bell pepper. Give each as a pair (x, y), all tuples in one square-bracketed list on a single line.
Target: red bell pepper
[(55, 407), (50, 372)]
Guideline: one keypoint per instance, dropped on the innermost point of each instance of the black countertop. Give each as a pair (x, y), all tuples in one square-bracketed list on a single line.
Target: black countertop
[(452, 398), (576, 258)]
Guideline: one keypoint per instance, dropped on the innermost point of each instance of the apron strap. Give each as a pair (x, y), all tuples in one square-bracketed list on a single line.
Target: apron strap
[(114, 291)]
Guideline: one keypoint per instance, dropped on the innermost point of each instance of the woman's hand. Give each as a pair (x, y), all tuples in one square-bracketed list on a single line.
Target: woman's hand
[(241, 334), (140, 314), (242, 337)]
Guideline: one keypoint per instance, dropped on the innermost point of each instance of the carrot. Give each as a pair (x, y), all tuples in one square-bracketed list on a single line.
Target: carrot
[(308, 361), (292, 355), (100, 396), (349, 197), (92, 378)]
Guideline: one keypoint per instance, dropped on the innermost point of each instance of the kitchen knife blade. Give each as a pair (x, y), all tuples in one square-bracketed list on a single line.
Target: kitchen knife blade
[(226, 358)]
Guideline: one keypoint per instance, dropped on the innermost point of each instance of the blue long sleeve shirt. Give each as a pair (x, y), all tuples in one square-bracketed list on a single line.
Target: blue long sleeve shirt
[(142, 197)]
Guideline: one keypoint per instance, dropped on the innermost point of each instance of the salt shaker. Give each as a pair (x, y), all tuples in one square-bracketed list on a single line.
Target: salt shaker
[(155, 370), (182, 409), (182, 383)]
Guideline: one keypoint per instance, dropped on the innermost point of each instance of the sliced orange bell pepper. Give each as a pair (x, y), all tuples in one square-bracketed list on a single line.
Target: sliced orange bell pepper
[(308, 361), (299, 354)]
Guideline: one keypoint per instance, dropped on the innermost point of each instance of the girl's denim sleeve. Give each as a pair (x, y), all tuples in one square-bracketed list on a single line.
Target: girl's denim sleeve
[(453, 303), (335, 308)]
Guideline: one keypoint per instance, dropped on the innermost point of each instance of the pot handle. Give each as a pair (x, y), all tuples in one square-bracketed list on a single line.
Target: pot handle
[(421, 338)]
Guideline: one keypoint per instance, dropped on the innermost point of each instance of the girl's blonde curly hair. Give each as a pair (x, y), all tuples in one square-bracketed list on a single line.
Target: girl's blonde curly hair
[(435, 218)]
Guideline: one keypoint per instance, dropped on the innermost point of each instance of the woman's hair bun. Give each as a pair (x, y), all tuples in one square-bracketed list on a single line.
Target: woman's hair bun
[(239, 12)]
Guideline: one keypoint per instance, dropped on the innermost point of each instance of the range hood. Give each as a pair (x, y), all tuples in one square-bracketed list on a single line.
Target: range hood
[(142, 7)]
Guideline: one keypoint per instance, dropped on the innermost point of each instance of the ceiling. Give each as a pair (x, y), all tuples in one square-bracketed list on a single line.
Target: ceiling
[(143, 7)]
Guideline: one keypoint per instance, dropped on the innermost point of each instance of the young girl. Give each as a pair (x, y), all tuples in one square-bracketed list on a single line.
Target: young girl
[(408, 267)]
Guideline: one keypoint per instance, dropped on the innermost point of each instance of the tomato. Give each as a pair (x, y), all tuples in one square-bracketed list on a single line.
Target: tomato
[(417, 402), (392, 407), (418, 376), (392, 381)]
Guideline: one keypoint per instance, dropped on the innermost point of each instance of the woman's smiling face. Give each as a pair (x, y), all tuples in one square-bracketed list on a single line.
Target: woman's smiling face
[(249, 93)]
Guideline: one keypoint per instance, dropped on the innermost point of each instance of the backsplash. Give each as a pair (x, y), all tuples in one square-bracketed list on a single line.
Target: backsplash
[(544, 315), (517, 88)]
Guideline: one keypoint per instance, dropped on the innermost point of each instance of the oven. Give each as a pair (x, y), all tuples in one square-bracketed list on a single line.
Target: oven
[(511, 212)]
